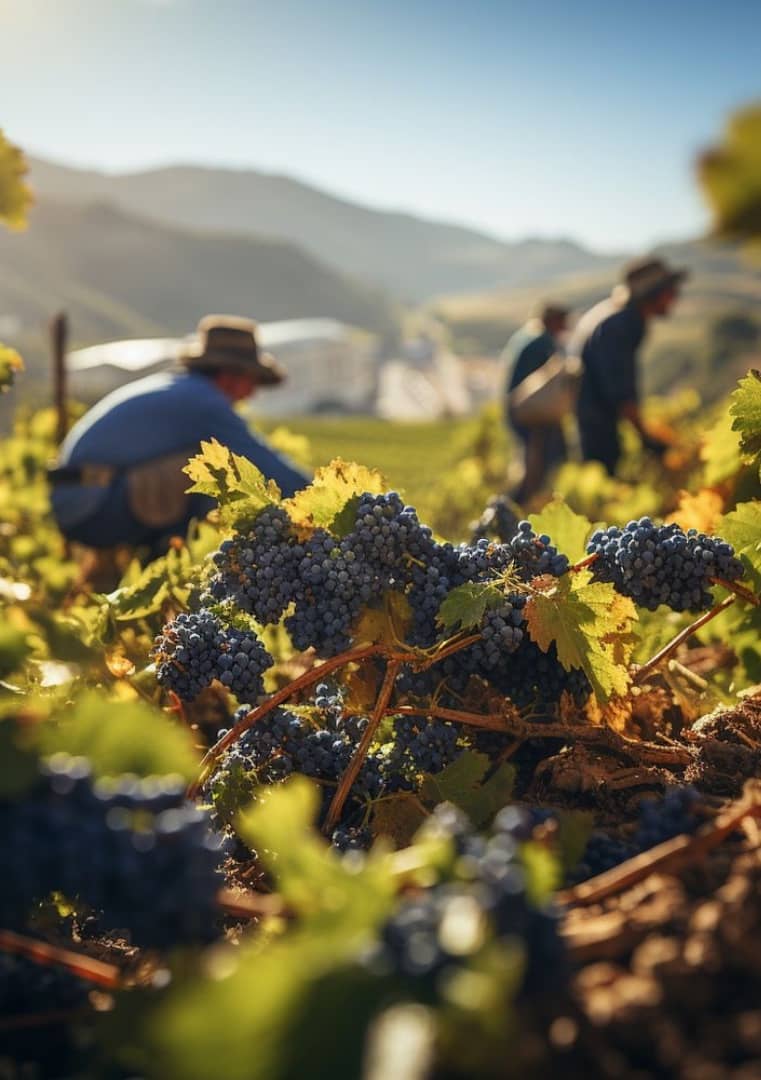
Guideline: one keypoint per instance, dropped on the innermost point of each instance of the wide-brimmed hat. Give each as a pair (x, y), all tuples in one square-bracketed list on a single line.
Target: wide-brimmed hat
[(228, 343), (646, 277)]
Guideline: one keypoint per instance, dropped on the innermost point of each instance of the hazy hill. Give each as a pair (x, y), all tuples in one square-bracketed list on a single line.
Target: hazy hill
[(120, 276), (411, 257)]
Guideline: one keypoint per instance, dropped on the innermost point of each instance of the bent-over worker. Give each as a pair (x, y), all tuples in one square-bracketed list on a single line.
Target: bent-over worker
[(119, 480), (607, 339)]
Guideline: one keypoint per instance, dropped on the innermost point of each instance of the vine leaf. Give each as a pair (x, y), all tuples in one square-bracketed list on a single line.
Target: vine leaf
[(122, 736), (720, 451), (329, 500), (465, 606), (312, 881), (235, 482), (590, 624), (463, 783), (746, 411), (569, 531), (144, 596), (700, 511), (10, 365), (387, 625), (397, 817), (742, 529)]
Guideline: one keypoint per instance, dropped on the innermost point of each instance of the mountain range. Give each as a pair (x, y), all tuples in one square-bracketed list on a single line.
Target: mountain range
[(146, 254), (410, 257)]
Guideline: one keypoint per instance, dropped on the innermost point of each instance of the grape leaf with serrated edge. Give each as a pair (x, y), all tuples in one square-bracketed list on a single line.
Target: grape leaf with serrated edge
[(746, 412), (328, 501), (569, 530), (235, 482), (590, 624), (463, 784), (466, 605)]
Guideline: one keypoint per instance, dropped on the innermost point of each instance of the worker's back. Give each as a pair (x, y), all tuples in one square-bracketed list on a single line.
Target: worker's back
[(147, 419)]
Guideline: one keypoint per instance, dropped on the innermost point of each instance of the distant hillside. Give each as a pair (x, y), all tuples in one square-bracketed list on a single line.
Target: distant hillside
[(704, 343), (410, 257), (119, 276)]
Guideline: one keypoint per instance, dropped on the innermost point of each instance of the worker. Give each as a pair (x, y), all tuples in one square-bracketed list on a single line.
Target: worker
[(119, 480), (608, 339), (542, 444)]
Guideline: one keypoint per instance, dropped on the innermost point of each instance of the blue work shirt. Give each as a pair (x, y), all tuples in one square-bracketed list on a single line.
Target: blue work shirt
[(146, 420), (607, 339)]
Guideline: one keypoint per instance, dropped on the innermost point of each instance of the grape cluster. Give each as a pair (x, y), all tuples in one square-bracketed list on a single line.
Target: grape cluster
[(677, 813), (535, 555), (536, 680), (196, 648), (387, 535), (257, 569), (662, 564), (150, 865), (440, 928), (420, 746)]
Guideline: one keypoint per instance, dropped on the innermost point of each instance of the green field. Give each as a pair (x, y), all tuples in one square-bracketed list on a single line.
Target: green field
[(415, 458)]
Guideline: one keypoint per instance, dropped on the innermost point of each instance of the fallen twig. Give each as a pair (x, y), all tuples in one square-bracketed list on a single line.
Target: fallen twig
[(47, 955)]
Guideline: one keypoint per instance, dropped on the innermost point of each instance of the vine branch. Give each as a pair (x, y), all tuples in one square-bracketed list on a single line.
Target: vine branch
[(643, 672), (315, 675), (603, 737), (350, 775), (739, 590)]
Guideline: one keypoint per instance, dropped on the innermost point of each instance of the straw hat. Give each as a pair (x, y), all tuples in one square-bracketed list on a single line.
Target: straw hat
[(646, 277), (228, 343)]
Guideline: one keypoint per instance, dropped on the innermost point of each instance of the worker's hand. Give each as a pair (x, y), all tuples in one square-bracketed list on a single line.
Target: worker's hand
[(655, 445)]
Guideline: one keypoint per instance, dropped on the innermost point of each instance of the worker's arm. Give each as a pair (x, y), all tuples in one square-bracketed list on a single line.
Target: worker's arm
[(629, 410)]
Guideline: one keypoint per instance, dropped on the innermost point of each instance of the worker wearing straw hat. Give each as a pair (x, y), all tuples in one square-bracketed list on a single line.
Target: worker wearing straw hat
[(119, 479), (608, 339)]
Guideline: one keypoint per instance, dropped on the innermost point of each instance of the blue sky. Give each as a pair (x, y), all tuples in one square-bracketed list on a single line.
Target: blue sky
[(541, 117)]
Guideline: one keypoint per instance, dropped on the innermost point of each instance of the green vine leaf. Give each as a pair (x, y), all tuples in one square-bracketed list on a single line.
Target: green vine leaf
[(465, 606), (464, 783), (569, 530), (330, 499), (746, 411), (720, 451), (122, 736), (312, 880), (742, 529), (145, 596), (591, 625), (235, 482)]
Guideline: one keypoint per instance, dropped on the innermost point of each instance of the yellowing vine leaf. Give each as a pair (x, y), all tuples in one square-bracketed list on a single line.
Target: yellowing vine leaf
[(720, 451), (10, 365), (746, 411), (388, 624), (15, 194), (568, 530), (322, 504), (590, 624), (235, 482), (700, 511)]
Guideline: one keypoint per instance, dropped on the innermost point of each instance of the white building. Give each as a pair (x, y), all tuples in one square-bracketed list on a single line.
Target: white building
[(331, 366)]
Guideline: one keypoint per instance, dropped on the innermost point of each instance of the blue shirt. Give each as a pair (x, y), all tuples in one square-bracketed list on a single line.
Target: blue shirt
[(607, 340), (152, 417), (527, 350), (163, 414)]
